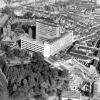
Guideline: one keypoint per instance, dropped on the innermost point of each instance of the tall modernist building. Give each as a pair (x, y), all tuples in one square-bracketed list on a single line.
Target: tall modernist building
[(98, 2), (49, 39), (32, 45), (56, 44), (45, 29)]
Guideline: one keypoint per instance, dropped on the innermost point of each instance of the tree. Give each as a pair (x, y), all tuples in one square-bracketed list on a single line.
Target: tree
[(47, 8), (14, 26), (7, 10), (12, 74), (25, 28), (1, 34), (10, 54), (28, 15), (5, 47), (21, 54), (36, 78)]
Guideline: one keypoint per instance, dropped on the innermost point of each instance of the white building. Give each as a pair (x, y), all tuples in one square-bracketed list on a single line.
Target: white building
[(49, 39), (30, 44), (45, 29), (49, 47), (98, 2), (57, 44)]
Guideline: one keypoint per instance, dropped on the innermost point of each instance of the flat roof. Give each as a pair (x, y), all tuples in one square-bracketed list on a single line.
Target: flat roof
[(48, 21), (57, 38)]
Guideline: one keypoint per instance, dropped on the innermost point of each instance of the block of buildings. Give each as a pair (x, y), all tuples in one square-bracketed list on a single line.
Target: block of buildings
[(48, 48), (49, 40)]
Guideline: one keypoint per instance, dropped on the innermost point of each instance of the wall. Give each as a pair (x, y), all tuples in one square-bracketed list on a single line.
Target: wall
[(61, 43), (46, 30), (27, 43)]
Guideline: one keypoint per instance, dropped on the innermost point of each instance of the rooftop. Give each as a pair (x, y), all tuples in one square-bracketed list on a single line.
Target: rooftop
[(57, 38), (48, 21)]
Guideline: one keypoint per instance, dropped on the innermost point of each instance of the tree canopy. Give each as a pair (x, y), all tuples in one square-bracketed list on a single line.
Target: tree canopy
[(33, 78), (36, 78)]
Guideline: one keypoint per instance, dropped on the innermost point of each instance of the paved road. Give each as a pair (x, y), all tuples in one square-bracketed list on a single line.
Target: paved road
[(88, 37), (86, 47)]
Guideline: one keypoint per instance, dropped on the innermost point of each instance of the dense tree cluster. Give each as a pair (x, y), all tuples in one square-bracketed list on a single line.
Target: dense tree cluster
[(12, 53), (14, 26), (7, 10), (27, 15), (35, 78)]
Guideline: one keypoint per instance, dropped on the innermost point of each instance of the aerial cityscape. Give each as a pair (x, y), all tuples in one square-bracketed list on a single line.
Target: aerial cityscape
[(49, 49)]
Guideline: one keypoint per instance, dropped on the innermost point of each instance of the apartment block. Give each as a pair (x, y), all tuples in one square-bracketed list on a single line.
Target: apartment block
[(46, 30), (32, 45), (49, 47), (57, 44)]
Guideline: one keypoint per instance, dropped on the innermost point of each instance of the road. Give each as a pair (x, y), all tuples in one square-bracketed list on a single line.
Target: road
[(87, 47), (88, 37)]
